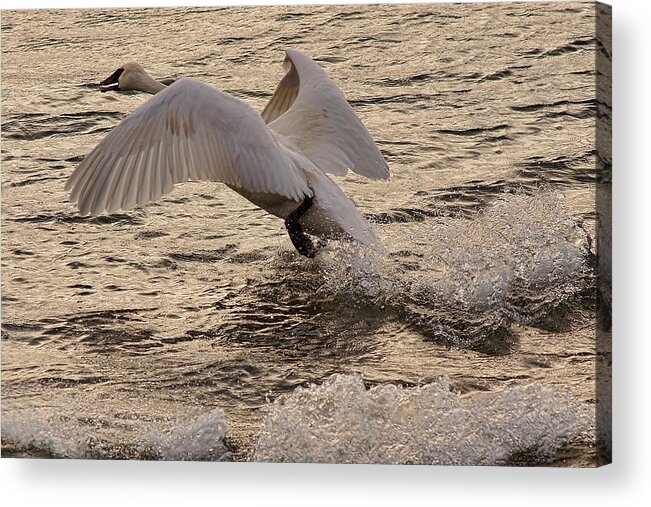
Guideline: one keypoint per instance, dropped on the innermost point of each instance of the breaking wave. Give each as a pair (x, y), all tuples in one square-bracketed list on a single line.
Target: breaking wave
[(341, 421), (338, 421)]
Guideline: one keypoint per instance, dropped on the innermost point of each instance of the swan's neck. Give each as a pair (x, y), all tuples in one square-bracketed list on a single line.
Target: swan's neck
[(147, 84)]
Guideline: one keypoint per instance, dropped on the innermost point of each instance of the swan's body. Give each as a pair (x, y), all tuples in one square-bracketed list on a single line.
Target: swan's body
[(277, 159)]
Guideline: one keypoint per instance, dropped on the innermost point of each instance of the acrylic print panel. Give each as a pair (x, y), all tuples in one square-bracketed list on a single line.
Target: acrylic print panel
[(194, 322)]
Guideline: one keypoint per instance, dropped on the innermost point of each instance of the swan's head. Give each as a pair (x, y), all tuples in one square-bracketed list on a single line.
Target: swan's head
[(131, 76)]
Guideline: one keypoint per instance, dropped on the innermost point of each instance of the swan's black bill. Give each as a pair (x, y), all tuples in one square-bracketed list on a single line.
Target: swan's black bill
[(300, 240), (112, 82)]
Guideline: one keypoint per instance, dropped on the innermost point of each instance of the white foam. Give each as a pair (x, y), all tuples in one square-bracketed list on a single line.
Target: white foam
[(186, 438), (35, 430), (340, 421), (199, 439)]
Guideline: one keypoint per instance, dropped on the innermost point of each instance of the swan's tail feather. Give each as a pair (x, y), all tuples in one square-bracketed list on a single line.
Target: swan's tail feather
[(333, 214)]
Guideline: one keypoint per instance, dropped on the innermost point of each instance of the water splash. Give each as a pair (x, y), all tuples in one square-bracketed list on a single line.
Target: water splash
[(340, 421), (460, 279)]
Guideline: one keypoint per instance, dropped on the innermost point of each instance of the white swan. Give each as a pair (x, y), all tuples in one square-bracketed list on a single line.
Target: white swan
[(277, 159)]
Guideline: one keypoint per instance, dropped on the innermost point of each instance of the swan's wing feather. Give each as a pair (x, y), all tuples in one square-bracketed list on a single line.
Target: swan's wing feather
[(284, 96), (189, 131), (320, 122)]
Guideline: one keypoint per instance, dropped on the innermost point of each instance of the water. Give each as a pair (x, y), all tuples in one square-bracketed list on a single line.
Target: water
[(191, 329)]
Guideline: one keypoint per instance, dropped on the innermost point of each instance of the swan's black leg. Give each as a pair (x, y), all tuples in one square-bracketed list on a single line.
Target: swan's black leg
[(300, 240)]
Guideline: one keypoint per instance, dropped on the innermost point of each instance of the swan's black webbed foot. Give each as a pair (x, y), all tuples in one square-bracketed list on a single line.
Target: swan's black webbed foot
[(300, 240)]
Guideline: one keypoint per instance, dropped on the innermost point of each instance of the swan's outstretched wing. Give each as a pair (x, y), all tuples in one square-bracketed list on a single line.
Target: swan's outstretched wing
[(189, 131), (308, 108)]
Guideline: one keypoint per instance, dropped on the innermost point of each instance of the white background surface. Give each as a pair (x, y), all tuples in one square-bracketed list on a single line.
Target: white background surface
[(626, 482)]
